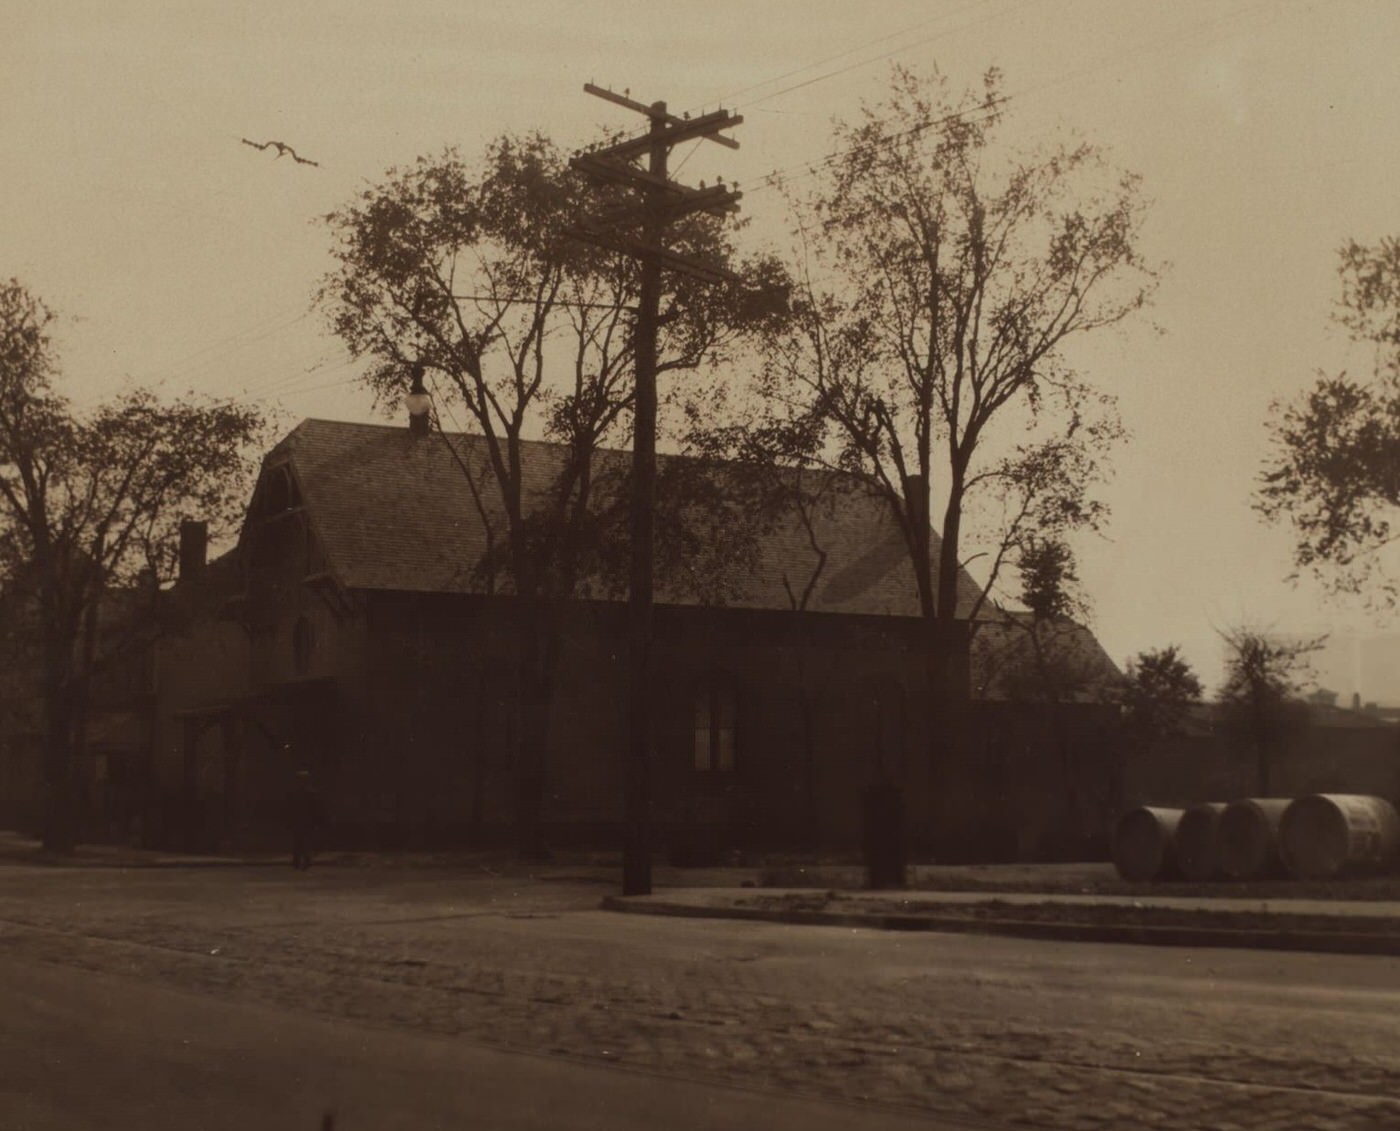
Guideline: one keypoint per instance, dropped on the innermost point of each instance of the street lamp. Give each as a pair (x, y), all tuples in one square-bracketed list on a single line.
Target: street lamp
[(418, 403)]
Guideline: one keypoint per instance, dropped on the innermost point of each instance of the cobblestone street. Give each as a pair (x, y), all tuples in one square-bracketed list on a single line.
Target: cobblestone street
[(1058, 1035)]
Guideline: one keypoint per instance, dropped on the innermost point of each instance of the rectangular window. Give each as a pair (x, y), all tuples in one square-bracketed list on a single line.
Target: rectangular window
[(724, 729), (715, 712), (704, 756)]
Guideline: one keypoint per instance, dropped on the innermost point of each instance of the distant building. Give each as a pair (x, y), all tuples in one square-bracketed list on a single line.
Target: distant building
[(1361, 664)]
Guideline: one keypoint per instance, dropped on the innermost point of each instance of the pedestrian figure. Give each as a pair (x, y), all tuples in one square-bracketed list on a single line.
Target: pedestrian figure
[(304, 813)]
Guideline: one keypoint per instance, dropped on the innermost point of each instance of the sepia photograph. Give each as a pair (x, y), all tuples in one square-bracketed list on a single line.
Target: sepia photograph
[(609, 565)]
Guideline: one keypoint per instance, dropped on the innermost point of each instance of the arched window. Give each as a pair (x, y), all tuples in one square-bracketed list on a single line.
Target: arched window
[(276, 494), (716, 708)]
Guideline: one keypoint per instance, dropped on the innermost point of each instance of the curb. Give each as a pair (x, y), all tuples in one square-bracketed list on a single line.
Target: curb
[(121, 863), (1285, 939)]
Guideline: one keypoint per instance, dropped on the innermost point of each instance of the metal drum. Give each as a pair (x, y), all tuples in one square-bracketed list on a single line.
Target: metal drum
[(1328, 834), (1197, 854), (1247, 837), (1142, 843)]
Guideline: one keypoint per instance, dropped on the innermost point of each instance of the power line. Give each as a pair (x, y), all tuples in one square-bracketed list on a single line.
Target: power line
[(278, 323), (773, 178), (854, 66), (886, 55), (165, 374), (240, 337), (313, 389), (733, 95)]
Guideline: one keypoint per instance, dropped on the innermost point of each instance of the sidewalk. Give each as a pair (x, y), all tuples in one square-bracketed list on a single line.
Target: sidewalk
[(594, 868), (1040, 907), (1328, 926), (16, 848)]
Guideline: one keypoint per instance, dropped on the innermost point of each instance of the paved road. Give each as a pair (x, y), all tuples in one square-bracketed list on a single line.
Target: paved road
[(1059, 1035), (82, 1050)]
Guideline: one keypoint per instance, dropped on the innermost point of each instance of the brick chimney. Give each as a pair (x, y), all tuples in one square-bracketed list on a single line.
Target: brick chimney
[(194, 548)]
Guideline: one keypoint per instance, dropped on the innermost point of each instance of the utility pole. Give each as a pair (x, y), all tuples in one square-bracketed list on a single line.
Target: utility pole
[(661, 202)]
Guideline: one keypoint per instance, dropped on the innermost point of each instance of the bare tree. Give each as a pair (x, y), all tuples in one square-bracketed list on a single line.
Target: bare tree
[(88, 503), (942, 279)]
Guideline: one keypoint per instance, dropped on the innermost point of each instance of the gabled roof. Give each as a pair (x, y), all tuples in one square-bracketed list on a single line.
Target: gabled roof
[(1070, 666), (392, 510)]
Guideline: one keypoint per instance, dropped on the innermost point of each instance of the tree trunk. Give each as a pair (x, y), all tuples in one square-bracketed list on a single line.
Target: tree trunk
[(1069, 771), (484, 711), (948, 564), (949, 712), (1263, 758), (1261, 712), (810, 822), (60, 826)]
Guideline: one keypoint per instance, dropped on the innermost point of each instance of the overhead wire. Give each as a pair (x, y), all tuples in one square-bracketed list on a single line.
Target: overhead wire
[(237, 338), (275, 324), (853, 66), (889, 54), (737, 94), (165, 374), (803, 170)]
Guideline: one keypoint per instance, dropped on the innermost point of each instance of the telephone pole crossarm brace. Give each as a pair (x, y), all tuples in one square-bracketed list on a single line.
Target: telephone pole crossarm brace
[(658, 111), (661, 203), (669, 260)]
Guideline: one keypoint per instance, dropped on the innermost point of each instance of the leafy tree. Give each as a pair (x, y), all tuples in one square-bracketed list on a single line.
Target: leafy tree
[(942, 279), (1264, 677), (1159, 690), (1049, 579), (469, 271), (89, 502), (1334, 473), (1042, 659)]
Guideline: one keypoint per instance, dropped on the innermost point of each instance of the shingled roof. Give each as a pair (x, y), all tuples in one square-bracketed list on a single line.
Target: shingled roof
[(397, 511)]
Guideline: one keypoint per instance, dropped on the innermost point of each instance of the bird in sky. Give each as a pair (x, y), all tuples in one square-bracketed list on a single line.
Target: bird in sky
[(282, 150)]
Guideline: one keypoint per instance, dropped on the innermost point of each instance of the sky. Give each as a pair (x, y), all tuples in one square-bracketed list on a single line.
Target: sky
[(1266, 134)]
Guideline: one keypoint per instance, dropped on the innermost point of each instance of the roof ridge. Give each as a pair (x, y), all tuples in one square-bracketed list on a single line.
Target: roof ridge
[(392, 511), (830, 473)]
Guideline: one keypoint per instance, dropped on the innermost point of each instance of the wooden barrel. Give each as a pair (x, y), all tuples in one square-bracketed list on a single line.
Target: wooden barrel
[(1246, 839), (1142, 843), (1328, 834), (1197, 855)]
